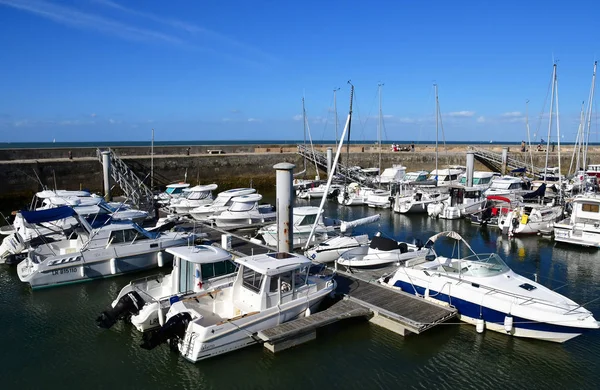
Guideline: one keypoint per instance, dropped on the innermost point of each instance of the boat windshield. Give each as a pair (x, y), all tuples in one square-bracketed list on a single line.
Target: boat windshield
[(483, 265), (174, 190), (242, 206)]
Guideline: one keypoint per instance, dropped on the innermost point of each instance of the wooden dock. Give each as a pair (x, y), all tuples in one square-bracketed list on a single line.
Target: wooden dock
[(303, 329)]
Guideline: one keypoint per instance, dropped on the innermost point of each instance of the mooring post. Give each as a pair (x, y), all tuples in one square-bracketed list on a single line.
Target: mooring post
[(504, 160), (470, 167), (284, 206), (329, 161), (106, 171)]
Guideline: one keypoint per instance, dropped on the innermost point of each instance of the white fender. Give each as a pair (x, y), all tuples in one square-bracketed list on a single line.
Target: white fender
[(480, 325), (161, 315), (508, 323), (160, 258), (113, 266), (307, 312)]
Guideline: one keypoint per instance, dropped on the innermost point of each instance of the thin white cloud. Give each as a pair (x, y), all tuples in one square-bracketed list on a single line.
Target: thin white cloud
[(72, 17), (388, 116), (461, 114), (481, 119), (254, 120), (114, 121), (190, 29), (297, 117), (93, 115), (512, 114), (225, 119)]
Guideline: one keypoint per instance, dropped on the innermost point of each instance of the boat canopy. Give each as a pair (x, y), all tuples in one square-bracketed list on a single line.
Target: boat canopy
[(449, 234), (199, 254), (274, 263), (497, 197), (48, 215)]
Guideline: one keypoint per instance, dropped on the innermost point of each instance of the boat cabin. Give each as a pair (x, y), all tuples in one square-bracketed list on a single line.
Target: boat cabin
[(306, 216), (245, 203), (225, 198), (199, 192), (593, 170), (445, 175), (196, 268), (176, 188), (269, 280), (480, 179), (393, 174), (464, 195)]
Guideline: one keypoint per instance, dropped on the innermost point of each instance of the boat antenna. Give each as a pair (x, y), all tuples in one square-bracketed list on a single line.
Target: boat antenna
[(335, 113)]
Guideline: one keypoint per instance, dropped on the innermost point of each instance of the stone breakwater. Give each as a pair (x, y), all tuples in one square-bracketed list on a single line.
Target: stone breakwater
[(24, 171)]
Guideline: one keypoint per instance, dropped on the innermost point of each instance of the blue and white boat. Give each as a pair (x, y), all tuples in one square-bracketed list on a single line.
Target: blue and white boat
[(488, 294)]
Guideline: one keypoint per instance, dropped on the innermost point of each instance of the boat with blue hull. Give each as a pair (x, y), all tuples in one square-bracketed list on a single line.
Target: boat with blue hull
[(488, 294)]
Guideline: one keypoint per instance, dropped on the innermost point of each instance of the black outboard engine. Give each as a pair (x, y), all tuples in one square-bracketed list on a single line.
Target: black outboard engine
[(15, 258), (129, 304), (173, 329)]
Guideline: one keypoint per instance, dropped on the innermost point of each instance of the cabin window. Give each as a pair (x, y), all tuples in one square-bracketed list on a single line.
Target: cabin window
[(252, 279), (300, 277), (187, 272), (453, 177), (286, 281), (484, 180), (121, 236), (590, 207), (308, 219), (515, 186), (196, 195), (212, 270), (241, 206)]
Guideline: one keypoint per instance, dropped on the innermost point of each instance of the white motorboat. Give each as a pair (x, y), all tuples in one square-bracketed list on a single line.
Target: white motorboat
[(417, 202), (583, 226), (331, 249), (303, 219), (462, 201), (415, 178), (395, 174), (379, 199), (311, 192), (354, 195), (446, 177), (482, 180), (507, 186), (245, 211), (112, 249), (145, 302), (488, 294), (270, 289), (192, 197), (94, 209), (380, 251), (302, 222), (173, 191), (220, 204), (529, 218)]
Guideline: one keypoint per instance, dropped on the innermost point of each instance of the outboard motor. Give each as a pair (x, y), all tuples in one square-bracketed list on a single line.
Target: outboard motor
[(173, 329), (128, 304)]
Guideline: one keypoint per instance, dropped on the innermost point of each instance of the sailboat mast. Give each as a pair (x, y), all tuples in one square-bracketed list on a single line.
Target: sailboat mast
[(379, 126), (304, 125), (528, 136), (349, 123), (437, 118), (550, 121), (152, 163), (560, 192), (335, 113), (589, 119)]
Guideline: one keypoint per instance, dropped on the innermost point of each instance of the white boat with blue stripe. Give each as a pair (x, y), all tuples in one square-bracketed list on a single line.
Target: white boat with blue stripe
[(488, 294)]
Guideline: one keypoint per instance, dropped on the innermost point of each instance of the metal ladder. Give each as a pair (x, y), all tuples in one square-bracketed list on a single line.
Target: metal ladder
[(133, 187), (320, 159), (493, 161)]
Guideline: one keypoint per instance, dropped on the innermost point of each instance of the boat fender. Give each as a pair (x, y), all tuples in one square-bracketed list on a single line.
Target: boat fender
[(113, 266), (480, 325), (426, 295), (174, 328), (508, 323), (129, 304), (161, 315), (307, 312), (160, 258)]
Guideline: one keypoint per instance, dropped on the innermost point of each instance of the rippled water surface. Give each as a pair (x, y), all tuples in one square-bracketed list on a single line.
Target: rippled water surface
[(48, 338)]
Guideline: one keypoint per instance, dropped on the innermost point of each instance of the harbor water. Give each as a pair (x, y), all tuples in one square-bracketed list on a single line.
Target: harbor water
[(49, 339)]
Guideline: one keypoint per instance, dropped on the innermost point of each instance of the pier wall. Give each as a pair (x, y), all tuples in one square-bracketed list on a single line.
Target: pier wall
[(21, 168)]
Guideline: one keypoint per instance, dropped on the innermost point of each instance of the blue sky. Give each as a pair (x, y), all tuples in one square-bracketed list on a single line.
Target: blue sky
[(109, 70)]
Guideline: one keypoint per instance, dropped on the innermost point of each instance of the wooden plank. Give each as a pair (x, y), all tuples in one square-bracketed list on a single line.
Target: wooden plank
[(339, 311)]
